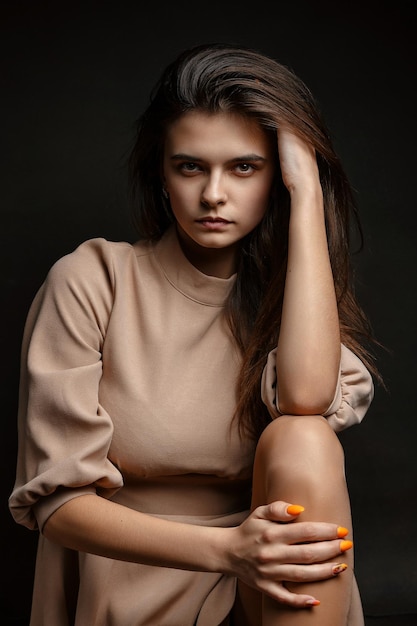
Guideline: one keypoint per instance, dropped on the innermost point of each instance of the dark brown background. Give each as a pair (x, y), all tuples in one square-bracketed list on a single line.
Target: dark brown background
[(76, 75)]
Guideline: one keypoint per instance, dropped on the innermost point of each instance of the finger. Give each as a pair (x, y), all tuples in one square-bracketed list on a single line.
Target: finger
[(279, 592), (303, 573), (279, 511), (317, 552), (305, 554), (304, 532), (301, 532)]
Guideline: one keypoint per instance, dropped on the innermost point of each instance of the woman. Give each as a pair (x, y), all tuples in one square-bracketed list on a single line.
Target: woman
[(164, 489)]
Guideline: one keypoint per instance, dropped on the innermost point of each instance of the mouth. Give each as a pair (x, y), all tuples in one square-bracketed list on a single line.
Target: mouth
[(213, 224), (213, 220)]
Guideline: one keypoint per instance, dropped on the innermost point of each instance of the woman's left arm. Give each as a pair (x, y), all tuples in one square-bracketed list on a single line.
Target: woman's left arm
[(308, 351)]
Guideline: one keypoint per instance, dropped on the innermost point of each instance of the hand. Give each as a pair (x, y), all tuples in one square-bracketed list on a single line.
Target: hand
[(265, 552), (297, 161)]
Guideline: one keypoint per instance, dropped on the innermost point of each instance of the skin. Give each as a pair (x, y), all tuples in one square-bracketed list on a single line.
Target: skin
[(288, 448), (308, 354), (224, 179), (217, 167)]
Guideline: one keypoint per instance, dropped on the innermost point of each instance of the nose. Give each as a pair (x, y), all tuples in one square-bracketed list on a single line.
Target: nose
[(213, 192)]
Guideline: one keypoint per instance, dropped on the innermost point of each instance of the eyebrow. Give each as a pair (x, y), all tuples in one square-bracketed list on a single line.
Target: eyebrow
[(241, 159)]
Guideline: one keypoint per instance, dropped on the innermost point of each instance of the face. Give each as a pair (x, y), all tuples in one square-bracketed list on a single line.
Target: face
[(218, 171)]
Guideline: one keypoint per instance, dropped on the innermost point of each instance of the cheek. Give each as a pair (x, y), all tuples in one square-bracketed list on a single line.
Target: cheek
[(181, 194), (182, 201)]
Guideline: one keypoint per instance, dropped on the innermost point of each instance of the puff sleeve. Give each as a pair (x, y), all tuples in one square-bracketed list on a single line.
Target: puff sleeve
[(63, 432), (352, 398)]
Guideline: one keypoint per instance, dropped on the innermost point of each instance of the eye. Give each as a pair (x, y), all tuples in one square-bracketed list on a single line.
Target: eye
[(244, 168), (189, 167)]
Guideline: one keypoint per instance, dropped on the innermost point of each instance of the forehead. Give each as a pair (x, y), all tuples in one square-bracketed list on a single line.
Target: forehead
[(202, 131)]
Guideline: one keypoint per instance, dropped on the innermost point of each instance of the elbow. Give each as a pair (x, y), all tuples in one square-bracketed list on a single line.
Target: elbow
[(304, 402), (309, 393)]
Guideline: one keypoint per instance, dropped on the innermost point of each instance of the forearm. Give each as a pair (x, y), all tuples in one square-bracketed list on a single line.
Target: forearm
[(308, 353), (93, 524), (259, 551)]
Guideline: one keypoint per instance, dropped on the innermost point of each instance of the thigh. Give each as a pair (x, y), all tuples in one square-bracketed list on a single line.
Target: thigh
[(355, 617), (247, 610)]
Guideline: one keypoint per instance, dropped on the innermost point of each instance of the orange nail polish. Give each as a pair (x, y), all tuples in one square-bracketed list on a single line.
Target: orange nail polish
[(294, 509), (345, 545), (339, 568), (342, 532), (312, 602)]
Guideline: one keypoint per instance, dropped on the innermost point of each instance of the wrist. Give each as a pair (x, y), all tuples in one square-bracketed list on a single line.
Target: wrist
[(220, 554), (306, 192)]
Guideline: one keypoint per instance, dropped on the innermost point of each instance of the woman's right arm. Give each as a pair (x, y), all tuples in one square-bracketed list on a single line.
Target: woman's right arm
[(260, 551)]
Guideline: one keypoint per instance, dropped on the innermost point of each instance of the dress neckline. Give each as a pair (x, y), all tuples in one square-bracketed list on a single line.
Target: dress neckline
[(185, 277)]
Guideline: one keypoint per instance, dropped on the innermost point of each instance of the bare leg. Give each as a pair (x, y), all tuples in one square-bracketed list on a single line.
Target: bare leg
[(299, 459)]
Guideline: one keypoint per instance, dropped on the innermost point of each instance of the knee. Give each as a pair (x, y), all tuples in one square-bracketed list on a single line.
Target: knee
[(300, 444)]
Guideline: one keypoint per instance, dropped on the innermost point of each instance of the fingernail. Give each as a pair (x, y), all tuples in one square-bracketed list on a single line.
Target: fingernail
[(294, 509), (312, 602), (342, 532), (345, 545), (340, 567)]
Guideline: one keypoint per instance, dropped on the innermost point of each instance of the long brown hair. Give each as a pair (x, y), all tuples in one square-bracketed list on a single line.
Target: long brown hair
[(223, 77)]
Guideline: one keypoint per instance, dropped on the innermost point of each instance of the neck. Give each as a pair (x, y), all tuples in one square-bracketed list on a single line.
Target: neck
[(218, 262)]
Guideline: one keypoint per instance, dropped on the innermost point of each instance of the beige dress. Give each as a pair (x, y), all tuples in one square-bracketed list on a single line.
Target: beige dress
[(127, 390)]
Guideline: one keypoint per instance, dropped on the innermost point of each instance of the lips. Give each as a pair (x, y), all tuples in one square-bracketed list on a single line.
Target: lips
[(213, 224), (213, 220)]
